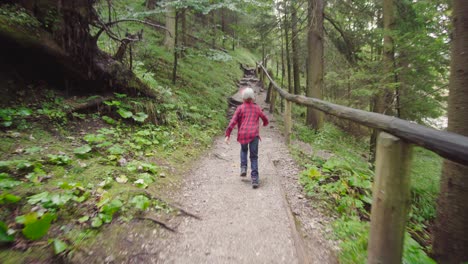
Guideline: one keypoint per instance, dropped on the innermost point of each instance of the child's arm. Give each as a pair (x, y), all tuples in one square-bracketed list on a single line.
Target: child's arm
[(263, 117), (232, 124)]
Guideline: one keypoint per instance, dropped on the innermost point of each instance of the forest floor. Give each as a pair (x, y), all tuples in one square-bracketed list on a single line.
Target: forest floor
[(237, 224)]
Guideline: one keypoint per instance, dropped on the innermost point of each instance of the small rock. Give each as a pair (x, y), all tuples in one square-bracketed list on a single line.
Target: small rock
[(19, 150), (109, 259), (162, 175), (300, 196), (122, 162)]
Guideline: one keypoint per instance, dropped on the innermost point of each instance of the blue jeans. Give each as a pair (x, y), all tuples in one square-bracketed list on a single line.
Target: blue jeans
[(253, 146)]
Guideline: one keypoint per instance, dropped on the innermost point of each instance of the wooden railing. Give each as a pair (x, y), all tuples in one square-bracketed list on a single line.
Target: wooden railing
[(391, 188)]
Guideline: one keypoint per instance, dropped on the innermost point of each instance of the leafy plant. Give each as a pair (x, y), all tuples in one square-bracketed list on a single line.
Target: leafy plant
[(8, 198), (59, 246), (6, 182), (82, 151), (141, 202), (35, 227), (12, 117), (5, 234), (94, 138), (349, 188), (116, 150), (61, 159)]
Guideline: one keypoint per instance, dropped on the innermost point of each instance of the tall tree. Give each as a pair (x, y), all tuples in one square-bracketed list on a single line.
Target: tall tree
[(169, 40), (451, 232), (286, 43), (315, 60), (295, 48), (384, 97)]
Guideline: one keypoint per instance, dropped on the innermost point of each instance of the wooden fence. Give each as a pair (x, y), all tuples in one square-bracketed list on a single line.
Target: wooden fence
[(391, 189)]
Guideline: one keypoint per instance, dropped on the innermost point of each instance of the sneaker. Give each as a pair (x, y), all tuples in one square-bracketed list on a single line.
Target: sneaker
[(255, 185), (243, 172)]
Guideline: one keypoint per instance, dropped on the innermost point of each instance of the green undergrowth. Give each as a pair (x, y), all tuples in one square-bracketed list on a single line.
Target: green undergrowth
[(342, 179)]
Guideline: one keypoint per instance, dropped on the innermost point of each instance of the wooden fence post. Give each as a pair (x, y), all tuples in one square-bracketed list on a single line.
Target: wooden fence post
[(273, 100), (390, 200), (287, 121)]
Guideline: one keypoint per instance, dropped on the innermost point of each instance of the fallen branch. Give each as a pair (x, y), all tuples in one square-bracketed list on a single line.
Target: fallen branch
[(105, 27), (93, 103), (159, 222)]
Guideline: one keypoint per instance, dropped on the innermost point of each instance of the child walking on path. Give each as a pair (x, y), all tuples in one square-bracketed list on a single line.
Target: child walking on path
[(247, 118)]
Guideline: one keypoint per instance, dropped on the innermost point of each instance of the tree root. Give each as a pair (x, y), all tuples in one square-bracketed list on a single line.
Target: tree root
[(159, 222), (93, 103)]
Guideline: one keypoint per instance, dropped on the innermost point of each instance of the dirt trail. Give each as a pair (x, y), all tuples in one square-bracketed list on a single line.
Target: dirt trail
[(244, 225)]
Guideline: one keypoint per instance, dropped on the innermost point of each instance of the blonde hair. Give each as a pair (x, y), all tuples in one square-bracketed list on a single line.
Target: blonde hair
[(247, 94)]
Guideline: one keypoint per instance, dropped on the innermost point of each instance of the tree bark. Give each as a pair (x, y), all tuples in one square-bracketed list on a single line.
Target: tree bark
[(223, 27), (174, 70), (295, 49), (183, 35), (213, 29), (169, 40), (286, 40), (451, 229), (383, 99), (315, 60), (150, 4)]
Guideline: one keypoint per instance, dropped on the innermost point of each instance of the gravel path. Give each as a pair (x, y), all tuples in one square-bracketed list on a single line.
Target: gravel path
[(244, 225)]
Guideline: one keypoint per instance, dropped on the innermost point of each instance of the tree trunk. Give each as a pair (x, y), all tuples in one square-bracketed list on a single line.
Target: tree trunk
[(315, 60), (295, 49), (183, 35), (169, 40), (150, 4), (451, 229), (383, 99), (174, 71), (213, 29), (286, 40), (223, 26)]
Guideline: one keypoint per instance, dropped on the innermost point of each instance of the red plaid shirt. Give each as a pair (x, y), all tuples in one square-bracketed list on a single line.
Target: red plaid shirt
[(247, 117)]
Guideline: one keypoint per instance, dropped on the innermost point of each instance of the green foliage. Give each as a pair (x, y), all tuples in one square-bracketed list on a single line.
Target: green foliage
[(5, 237), (83, 150), (124, 109), (59, 159), (17, 15), (344, 183), (55, 110), (8, 198), (349, 188), (354, 233), (94, 139), (6, 182), (141, 202), (10, 117), (36, 227), (59, 246)]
